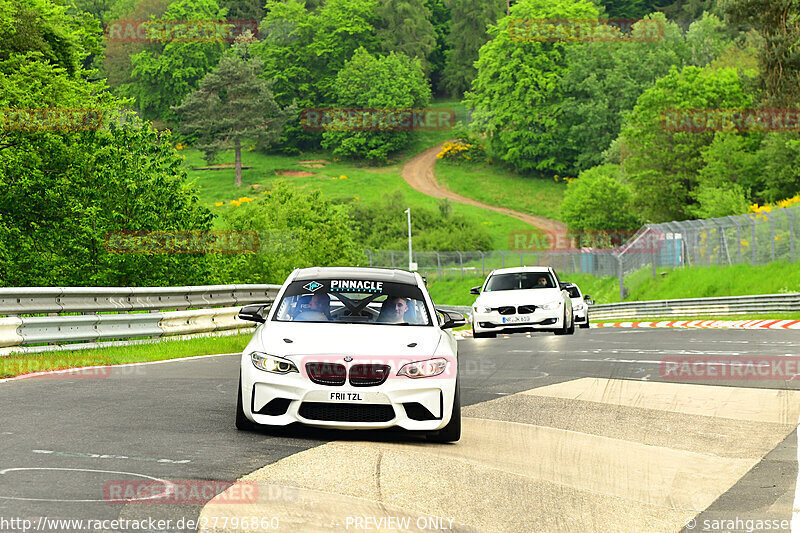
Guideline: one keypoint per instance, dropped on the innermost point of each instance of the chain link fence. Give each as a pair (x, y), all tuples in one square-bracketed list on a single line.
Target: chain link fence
[(755, 238)]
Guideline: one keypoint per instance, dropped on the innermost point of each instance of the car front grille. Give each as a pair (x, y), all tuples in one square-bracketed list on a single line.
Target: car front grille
[(506, 310), (526, 309), (346, 412), (326, 373), (368, 375)]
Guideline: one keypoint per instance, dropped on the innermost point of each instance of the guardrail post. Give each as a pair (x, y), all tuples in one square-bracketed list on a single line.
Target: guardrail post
[(438, 264), (520, 258), (621, 278), (771, 233), (461, 262), (483, 264)]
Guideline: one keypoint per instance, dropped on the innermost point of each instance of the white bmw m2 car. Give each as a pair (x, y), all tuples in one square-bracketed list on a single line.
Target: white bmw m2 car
[(352, 348)]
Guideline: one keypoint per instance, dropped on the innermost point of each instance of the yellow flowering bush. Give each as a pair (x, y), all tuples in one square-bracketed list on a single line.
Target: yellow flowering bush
[(219, 204), (244, 200), (461, 151)]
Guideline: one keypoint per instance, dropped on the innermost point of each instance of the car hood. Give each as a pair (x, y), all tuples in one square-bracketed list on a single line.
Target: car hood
[(518, 297), (348, 339)]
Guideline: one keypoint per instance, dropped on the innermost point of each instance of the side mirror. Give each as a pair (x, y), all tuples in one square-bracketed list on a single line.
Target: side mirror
[(253, 313), (452, 319), (475, 290), (588, 299)]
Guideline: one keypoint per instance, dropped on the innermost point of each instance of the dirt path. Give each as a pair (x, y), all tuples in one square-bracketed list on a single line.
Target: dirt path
[(418, 172)]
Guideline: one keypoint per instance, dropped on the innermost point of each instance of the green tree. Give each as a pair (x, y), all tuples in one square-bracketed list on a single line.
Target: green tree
[(602, 81), (297, 228), (303, 65), (468, 32), (518, 96), (440, 18), (779, 61), (232, 106), (394, 82), (162, 77), (598, 201), (405, 27), (662, 160), (779, 157)]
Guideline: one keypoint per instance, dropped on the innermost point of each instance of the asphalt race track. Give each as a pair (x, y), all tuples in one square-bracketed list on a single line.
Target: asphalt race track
[(573, 433)]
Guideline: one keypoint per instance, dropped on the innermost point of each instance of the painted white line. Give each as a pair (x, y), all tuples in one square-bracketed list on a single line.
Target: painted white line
[(169, 486), (82, 368)]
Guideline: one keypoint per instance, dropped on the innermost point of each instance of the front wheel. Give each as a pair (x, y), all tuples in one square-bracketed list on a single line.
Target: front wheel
[(571, 330), (242, 422), (452, 431), (476, 335), (565, 329)]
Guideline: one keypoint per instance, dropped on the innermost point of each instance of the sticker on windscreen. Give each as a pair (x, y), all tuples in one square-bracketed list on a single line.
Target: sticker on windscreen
[(312, 286), (352, 285)]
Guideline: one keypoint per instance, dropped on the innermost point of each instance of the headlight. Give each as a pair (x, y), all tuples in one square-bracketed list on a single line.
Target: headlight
[(272, 363), (577, 306), (482, 309), (423, 369), (551, 305)]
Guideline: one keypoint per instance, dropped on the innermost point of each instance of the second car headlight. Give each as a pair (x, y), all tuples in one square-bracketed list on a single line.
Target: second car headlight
[(549, 306), (482, 309), (272, 363), (423, 369)]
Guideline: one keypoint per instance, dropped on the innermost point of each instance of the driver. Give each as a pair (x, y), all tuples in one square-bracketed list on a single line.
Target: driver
[(542, 282)]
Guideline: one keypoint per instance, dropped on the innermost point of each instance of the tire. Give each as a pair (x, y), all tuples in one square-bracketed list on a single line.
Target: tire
[(585, 326), (476, 335), (565, 330), (452, 431), (571, 330), (242, 422)]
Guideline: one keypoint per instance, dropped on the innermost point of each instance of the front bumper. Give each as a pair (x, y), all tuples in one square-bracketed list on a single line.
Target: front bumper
[(399, 401), (581, 316), (540, 319)]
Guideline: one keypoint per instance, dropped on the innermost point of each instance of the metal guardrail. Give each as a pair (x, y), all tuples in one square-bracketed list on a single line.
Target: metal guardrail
[(130, 312), (727, 305)]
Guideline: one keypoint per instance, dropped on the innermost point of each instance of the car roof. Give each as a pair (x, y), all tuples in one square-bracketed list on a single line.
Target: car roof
[(372, 274), (515, 270)]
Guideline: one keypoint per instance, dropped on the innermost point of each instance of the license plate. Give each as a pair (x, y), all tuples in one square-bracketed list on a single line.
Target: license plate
[(346, 397), (516, 319)]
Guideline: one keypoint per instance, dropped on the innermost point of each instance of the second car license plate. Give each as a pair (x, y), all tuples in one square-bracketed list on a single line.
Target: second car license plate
[(516, 319), (346, 397)]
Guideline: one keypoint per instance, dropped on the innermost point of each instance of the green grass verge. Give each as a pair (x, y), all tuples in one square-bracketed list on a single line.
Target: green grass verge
[(496, 185), (698, 282), (17, 364), (756, 316), (363, 184)]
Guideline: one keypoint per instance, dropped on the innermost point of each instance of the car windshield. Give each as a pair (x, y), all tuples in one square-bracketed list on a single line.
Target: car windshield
[(353, 301), (574, 292), (520, 280)]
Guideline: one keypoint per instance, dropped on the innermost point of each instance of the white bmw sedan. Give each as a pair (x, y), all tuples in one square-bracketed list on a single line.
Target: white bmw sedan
[(514, 300), (352, 348)]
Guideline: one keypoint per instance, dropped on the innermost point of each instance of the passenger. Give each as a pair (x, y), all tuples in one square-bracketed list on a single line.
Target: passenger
[(393, 310)]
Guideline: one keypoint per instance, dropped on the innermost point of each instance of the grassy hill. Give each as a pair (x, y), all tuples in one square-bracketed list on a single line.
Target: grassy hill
[(698, 282)]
